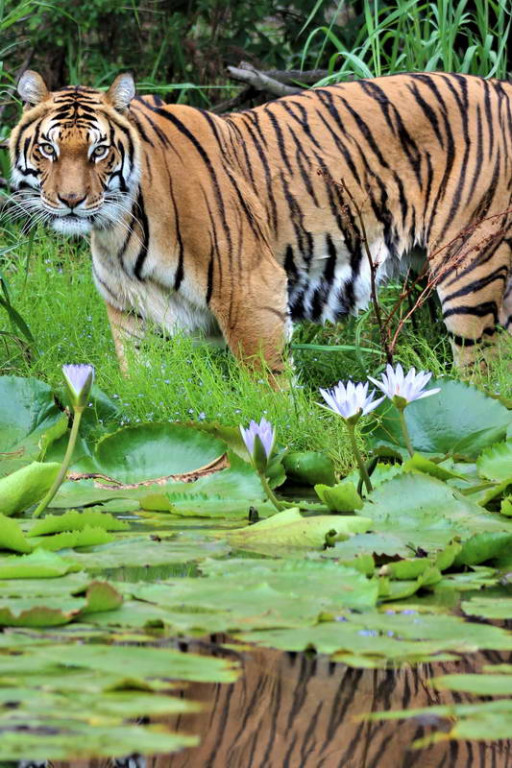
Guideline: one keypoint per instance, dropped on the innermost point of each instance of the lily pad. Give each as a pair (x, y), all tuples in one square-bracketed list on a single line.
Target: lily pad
[(27, 410), (460, 420), (140, 453), (291, 530)]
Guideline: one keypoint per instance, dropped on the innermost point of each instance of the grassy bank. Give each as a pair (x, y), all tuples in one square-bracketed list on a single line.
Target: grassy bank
[(50, 286)]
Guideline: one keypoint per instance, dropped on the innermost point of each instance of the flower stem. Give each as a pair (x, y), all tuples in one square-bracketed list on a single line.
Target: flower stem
[(64, 466), (365, 477), (279, 505), (405, 431)]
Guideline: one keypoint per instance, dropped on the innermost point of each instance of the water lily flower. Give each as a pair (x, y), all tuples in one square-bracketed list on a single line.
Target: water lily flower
[(264, 431), (404, 389), (259, 441), (350, 401), (79, 379)]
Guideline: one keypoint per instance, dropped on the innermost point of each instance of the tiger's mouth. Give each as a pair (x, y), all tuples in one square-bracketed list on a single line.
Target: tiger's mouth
[(72, 224)]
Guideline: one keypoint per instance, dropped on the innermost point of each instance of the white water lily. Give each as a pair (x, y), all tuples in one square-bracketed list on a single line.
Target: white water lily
[(350, 400), (395, 384)]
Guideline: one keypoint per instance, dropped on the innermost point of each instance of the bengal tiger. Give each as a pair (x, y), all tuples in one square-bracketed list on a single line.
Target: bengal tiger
[(242, 223)]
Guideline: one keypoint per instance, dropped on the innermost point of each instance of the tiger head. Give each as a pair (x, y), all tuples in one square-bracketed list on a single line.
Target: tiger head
[(74, 154)]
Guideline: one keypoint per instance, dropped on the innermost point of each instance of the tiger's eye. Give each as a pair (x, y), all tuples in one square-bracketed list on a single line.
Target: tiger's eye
[(99, 152), (47, 150)]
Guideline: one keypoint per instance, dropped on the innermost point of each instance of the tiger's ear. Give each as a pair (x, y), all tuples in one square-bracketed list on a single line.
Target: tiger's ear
[(32, 88), (121, 92)]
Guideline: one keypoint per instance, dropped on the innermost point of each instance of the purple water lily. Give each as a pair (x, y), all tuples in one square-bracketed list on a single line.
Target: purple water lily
[(79, 379), (264, 430)]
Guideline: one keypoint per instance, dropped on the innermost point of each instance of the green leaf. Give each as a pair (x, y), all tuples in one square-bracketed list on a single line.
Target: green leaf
[(489, 608), (77, 521), (27, 411), (496, 463), (140, 453), (309, 467), (289, 529), (340, 498), (459, 420), (40, 564), (26, 486), (418, 463), (11, 536), (86, 537)]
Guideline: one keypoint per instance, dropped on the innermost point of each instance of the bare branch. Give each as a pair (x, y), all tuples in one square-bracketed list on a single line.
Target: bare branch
[(246, 73)]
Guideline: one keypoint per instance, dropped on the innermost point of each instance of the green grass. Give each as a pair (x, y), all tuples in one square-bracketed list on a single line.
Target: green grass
[(50, 285)]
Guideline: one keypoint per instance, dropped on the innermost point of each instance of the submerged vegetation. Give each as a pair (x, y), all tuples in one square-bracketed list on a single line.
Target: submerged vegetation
[(380, 541)]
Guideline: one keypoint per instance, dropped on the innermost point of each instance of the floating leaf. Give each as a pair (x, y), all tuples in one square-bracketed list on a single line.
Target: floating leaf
[(309, 467), (462, 421), (11, 536), (26, 486), (289, 529), (496, 462), (87, 537), (340, 498), (77, 521), (27, 411), (139, 453), (40, 564)]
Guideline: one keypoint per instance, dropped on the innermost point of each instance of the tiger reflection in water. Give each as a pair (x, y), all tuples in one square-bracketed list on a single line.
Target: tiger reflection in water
[(302, 711)]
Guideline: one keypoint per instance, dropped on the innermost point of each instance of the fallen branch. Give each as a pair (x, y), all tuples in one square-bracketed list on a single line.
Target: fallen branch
[(246, 73)]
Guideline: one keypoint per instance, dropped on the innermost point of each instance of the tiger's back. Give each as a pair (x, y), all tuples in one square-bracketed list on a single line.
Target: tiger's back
[(242, 222)]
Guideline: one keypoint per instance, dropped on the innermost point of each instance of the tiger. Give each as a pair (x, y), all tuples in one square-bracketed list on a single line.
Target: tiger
[(240, 225)]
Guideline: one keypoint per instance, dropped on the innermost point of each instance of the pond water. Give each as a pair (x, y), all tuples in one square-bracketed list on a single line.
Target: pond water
[(302, 711)]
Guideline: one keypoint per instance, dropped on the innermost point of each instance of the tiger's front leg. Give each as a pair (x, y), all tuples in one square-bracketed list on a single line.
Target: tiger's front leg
[(127, 329), (253, 317)]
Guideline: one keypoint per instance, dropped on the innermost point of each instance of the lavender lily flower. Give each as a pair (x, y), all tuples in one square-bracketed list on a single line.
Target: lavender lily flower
[(79, 379), (264, 431), (259, 440)]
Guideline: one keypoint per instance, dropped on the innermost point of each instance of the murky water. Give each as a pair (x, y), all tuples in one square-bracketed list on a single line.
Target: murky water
[(302, 711)]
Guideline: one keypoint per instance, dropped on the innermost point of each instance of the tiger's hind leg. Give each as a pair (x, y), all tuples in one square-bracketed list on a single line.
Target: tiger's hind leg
[(471, 280), (254, 319)]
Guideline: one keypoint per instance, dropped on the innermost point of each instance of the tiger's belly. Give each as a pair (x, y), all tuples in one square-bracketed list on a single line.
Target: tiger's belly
[(152, 301), (331, 282)]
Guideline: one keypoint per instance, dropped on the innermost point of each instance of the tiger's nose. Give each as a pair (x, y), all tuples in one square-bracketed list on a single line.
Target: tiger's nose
[(72, 200)]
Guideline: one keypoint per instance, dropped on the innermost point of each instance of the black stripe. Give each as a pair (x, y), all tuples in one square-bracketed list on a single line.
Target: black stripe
[(500, 273), (268, 178), (280, 139), (480, 310), (209, 288), (142, 255), (368, 135), (478, 160), (184, 130), (178, 276), (341, 146), (304, 172)]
